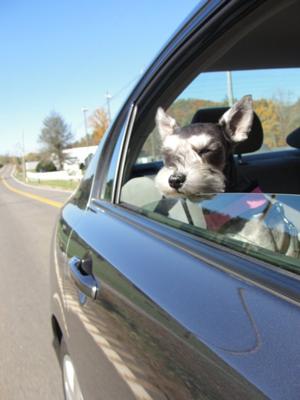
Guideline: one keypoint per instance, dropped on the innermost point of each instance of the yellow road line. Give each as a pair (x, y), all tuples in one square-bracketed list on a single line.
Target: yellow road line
[(52, 203)]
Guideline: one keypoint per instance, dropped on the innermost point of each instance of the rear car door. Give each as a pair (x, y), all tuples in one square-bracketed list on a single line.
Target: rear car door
[(174, 317), (144, 334)]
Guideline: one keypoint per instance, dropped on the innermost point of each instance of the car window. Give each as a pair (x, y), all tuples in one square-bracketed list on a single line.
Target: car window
[(82, 194), (276, 94), (258, 217), (106, 193), (260, 213), (111, 157)]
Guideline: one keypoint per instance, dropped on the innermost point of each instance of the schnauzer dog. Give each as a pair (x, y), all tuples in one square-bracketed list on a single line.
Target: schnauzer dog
[(197, 157)]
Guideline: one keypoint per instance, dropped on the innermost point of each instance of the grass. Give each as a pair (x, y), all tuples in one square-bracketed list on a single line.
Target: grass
[(55, 184)]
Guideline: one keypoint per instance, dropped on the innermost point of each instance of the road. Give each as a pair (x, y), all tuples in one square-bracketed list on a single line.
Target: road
[(28, 368)]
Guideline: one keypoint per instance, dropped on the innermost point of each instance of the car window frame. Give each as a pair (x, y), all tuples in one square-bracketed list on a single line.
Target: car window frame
[(119, 127)]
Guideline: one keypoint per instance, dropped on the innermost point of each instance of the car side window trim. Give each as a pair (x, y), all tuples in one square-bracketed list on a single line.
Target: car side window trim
[(116, 190), (97, 157), (108, 150)]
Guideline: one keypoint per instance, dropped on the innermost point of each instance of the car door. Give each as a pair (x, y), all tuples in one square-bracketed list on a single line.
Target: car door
[(168, 316), (134, 325)]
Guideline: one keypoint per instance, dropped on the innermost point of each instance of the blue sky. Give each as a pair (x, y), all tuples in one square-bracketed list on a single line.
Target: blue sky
[(64, 55)]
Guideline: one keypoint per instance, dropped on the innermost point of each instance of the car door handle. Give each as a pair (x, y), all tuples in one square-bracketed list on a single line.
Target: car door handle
[(81, 273)]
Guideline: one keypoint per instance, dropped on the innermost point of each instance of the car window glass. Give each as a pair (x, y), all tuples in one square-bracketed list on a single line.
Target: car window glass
[(276, 94), (81, 196), (260, 225), (261, 215), (107, 187)]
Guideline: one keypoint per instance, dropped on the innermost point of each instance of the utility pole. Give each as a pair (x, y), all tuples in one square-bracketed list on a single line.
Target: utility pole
[(229, 88), (84, 111), (108, 98), (23, 157)]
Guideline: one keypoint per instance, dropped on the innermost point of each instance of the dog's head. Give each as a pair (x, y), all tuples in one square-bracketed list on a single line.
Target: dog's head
[(195, 156)]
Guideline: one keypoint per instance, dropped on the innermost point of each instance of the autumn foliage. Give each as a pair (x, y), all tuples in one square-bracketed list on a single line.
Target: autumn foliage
[(99, 123), (277, 115)]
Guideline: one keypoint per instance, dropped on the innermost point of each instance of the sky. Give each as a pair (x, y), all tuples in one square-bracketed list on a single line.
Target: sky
[(64, 55)]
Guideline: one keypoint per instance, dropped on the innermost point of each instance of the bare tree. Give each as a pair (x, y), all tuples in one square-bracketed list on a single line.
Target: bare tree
[(55, 136)]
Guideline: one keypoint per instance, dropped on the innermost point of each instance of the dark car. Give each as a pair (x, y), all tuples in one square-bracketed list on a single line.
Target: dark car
[(157, 297)]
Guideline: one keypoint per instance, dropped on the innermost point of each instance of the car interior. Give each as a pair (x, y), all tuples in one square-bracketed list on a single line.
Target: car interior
[(261, 166)]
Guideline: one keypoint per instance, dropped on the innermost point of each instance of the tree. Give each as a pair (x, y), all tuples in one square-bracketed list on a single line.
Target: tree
[(284, 110), (267, 112), (99, 123), (183, 110), (45, 166), (55, 136)]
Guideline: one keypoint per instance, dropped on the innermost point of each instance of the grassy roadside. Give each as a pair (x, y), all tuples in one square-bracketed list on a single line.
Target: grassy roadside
[(54, 184)]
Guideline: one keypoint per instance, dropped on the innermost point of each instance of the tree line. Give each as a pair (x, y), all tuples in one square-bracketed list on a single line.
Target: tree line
[(278, 116)]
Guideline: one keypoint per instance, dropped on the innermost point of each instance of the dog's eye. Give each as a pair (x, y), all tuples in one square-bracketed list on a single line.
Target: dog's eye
[(169, 160), (201, 152)]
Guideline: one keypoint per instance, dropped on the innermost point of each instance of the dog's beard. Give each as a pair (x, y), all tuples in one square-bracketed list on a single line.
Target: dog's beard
[(200, 182)]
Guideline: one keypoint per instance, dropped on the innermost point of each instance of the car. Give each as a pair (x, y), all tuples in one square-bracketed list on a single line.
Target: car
[(148, 301)]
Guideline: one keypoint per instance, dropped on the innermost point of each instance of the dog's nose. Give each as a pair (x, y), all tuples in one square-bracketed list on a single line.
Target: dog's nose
[(176, 180)]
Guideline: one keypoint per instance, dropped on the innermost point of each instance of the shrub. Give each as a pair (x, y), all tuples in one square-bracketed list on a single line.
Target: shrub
[(45, 166)]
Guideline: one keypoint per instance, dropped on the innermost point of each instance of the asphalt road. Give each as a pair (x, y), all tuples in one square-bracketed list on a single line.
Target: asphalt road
[(28, 367)]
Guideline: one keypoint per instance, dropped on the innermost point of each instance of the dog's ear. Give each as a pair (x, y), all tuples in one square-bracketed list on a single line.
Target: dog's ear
[(237, 121), (165, 124)]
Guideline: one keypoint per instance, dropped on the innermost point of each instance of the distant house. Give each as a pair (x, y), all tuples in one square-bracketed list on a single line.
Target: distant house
[(31, 165), (74, 157), (77, 156)]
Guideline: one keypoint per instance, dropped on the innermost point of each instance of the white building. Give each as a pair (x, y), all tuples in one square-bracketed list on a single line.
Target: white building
[(77, 156), (31, 165)]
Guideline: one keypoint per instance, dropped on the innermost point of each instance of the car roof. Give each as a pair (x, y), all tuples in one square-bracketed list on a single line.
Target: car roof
[(273, 38), (273, 47)]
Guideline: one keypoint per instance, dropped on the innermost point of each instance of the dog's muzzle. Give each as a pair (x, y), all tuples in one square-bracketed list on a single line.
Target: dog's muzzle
[(176, 180)]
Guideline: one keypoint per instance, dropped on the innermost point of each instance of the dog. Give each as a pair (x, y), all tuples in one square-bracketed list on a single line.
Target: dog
[(199, 163), (197, 157)]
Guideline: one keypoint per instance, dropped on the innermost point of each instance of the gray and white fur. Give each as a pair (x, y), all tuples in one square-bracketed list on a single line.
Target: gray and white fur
[(196, 156)]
